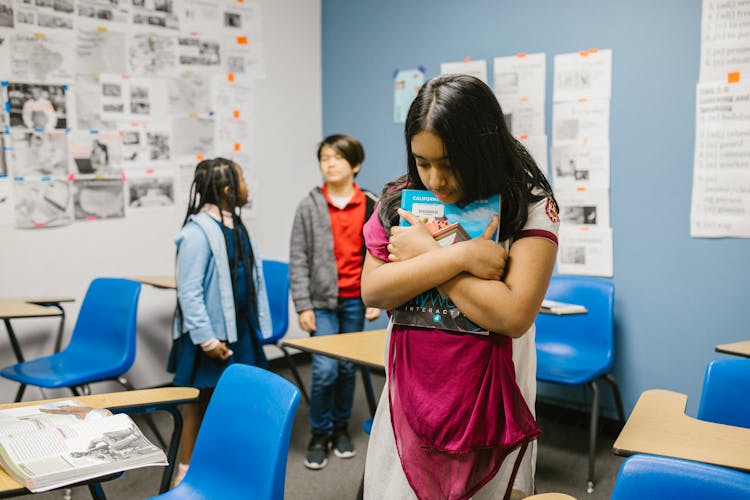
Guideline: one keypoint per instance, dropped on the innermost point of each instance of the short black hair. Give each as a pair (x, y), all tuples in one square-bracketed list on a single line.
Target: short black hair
[(345, 145)]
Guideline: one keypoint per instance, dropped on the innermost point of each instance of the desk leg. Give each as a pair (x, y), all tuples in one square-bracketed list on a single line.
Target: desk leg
[(369, 392), (60, 329), (17, 351)]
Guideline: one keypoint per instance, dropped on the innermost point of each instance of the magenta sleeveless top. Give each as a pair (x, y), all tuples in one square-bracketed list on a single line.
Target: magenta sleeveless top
[(456, 409)]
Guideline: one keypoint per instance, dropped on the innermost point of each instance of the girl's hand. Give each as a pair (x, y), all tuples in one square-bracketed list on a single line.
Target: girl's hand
[(372, 313), (220, 353), (409, 241), (307, 321), (483, 257)]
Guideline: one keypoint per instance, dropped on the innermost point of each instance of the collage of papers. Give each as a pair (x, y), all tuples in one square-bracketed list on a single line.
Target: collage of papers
[(579, 152), (721, 171), (107, 105)]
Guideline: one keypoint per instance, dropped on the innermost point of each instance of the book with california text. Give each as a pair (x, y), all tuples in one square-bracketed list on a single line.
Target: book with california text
[(449, 224), (60, 443)]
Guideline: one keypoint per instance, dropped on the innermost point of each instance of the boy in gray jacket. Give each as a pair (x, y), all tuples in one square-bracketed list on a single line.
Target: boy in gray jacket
[(325, 265)]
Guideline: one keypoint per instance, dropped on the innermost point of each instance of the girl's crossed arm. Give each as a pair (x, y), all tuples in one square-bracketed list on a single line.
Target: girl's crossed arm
[(418, 263)]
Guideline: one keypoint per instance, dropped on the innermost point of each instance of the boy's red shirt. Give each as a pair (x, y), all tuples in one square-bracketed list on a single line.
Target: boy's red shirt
[(346, 226)]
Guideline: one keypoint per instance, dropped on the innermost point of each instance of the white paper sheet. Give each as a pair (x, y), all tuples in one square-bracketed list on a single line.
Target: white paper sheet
[(150, 190), (47, 57), (95, 153), (476, 68), (585, 123), (42, 203), (98, 199), (152, 54), (725, 32), (39, 154), (193, 136), (100, 51), (520, 77), (583, 75), (580, 166), (585, 250), (721, 173)]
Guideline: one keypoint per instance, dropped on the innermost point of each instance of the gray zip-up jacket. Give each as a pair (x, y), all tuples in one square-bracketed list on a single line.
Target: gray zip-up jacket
[(313, 273)]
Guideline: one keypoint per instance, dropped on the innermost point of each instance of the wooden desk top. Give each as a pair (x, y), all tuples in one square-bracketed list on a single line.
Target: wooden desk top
[(50, 300), (659, 426), (736, 348), (20, 308), (166, 282), (113, 401), (364, 348)]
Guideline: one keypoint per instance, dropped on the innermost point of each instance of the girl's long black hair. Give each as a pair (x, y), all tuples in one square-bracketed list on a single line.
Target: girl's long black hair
[(485, 158), (216, 181)]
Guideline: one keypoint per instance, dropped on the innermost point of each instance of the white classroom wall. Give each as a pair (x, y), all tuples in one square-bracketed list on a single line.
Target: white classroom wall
[(62, 261)]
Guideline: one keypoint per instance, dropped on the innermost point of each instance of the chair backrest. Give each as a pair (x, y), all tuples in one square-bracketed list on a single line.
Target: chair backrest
[(276, 274), (106, 324), (243, 442), (648, 477), (724, 399), (580, 335)]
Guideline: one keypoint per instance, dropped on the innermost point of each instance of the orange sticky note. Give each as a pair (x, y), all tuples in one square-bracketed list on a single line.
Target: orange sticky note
[(582, 99), (580, 188), (236, 146), (521, 54), (236, 113), (584, 53), (593, 51), (733, 77), (467, 59), (524, 99), (199, 157), (230, 77), (241, 40), (524, 137)]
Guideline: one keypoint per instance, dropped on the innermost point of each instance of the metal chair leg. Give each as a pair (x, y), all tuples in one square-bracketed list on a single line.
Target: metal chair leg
[(593, 428), (97, 492), (618, 399), (295, 373)]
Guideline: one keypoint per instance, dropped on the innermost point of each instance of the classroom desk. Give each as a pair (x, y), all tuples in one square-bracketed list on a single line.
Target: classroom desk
[(139, 401), (164, 282), (659, 426), (736, 348), (364, 349)]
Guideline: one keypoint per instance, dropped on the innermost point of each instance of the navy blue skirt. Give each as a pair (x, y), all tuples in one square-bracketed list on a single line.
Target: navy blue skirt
[(192, 368)]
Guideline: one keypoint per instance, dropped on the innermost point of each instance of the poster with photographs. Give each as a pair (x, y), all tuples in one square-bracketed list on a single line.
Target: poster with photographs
[(152, 54), (144, 145), (88, 99), (49, 14), (42, 203), (580, 166), (193, 136), (98, 199), (150, 14), (100, 51), (198, 54), (38, 107), (100, 12), (126, 98), (97, 153), (243, 40), (6, 202), (583, 207), (189, 95), (150, 189), (39, 154), (42, 57), (6, 13)]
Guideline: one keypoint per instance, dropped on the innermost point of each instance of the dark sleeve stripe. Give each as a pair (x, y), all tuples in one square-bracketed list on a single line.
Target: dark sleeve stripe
[(538, 233)]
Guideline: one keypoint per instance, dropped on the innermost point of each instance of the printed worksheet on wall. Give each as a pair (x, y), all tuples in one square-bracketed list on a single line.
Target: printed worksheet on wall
[(583, 75), (476, 68), (725, 32), (585, 250), (583, 207)]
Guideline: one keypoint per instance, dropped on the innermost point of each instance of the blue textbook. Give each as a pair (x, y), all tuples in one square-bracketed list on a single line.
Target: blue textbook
[(449, 224)]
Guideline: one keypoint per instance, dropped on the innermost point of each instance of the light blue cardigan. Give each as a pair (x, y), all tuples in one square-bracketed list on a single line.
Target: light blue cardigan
[(204, 284)]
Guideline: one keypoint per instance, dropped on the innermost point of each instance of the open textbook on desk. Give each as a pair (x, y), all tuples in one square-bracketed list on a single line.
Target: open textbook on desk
[(561, 308), (52, 445), (449, 224)]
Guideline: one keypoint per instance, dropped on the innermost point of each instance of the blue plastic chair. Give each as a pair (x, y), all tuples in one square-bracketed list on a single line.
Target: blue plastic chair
[(648, 477), (102, 345), (242, 445), (724, 399), (579, 349), (276, 274)]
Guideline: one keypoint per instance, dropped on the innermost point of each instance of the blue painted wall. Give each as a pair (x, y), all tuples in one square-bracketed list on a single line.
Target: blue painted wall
[(676, 297)]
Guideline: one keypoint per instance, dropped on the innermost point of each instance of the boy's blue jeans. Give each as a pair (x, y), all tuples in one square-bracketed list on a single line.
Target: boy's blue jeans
[(332, 391)]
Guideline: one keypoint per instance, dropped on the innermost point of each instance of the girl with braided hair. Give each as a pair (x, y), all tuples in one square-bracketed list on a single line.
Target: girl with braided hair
[(222, 306)]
